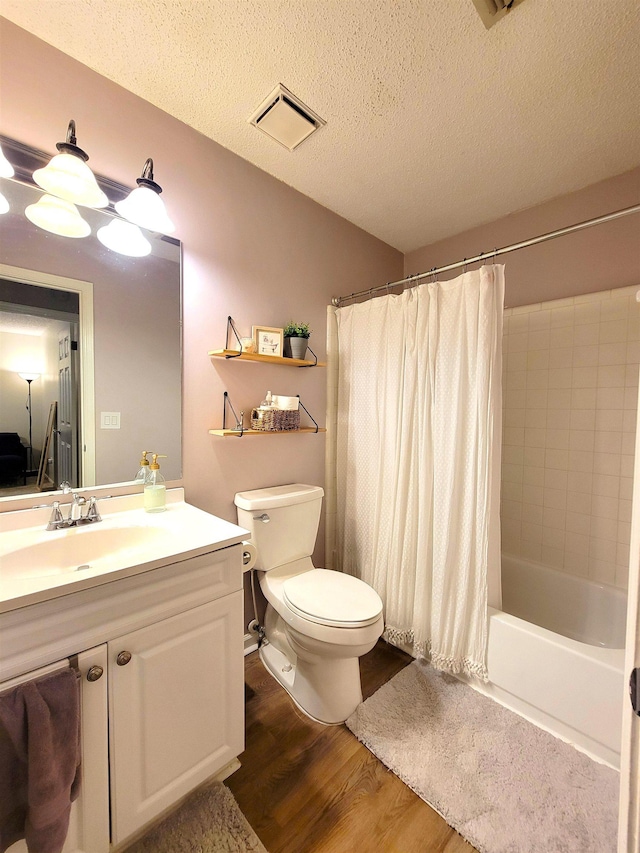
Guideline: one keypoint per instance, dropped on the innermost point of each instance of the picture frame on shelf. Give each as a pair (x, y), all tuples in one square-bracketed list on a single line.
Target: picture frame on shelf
[(269, 341)]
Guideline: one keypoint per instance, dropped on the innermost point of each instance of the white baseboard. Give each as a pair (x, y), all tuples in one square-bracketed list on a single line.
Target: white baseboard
[(250, 643)]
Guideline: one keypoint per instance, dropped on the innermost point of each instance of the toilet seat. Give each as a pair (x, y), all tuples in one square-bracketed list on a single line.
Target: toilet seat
[(332, 598)]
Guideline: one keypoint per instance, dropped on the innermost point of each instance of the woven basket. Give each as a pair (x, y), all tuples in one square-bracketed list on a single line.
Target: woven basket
[(274, 420)]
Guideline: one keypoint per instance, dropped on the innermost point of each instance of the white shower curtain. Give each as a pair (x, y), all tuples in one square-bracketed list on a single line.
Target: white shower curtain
[(418, 469)]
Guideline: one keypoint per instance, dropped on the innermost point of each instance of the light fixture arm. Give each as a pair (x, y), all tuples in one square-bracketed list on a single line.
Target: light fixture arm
[(70, 146), (146, 179)]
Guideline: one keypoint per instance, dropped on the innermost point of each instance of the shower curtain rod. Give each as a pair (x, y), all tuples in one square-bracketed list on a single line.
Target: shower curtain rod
[(417, 277)]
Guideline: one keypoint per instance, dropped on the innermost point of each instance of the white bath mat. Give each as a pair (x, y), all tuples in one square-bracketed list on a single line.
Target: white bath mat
[(502, 783), (210, 821)]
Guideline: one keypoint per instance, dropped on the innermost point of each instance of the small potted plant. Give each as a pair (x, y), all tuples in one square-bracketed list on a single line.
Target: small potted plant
[(296, 336)]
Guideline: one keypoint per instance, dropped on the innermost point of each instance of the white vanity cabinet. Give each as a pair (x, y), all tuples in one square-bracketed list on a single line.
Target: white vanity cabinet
[(163, 717), (171, 725)]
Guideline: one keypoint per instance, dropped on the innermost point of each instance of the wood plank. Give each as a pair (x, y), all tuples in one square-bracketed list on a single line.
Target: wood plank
[(232, 354), (309, 788), (225, 433)]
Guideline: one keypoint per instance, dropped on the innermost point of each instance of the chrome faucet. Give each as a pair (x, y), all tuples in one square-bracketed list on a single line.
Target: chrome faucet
[(75, 517)]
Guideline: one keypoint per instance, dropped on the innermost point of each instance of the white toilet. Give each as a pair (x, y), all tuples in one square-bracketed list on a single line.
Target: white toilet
[(318, 622)]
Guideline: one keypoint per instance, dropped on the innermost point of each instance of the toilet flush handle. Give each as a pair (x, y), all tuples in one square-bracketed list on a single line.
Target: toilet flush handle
[(264, 518)]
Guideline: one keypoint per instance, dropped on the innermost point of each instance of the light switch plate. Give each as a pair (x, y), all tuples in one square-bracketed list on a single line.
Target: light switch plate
[(109, 420)]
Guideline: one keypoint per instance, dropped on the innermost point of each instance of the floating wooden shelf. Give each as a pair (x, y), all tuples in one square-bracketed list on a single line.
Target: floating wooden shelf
[(232, 354), (225, 433)]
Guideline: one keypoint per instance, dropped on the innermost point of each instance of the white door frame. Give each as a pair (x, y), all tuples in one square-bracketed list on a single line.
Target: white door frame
[(84, 290), (629, 820)]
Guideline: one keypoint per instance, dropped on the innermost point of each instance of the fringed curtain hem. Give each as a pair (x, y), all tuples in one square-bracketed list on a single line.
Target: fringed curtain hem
[(443, 663)]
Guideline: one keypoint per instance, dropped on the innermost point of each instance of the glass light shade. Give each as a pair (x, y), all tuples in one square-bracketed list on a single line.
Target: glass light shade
[(4, 204), (144, 207), (57, 216), (29, 376), (69, 177), (124, 238), (6, 169)]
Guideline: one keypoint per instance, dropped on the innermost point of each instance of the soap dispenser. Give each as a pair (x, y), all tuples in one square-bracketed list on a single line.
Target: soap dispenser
[(155, 491), (143, 472)]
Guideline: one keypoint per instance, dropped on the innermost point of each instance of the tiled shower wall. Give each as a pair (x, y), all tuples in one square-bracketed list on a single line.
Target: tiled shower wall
[(570, 395)]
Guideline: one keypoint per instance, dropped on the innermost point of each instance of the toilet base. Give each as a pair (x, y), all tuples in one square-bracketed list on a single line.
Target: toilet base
[(327, 691)]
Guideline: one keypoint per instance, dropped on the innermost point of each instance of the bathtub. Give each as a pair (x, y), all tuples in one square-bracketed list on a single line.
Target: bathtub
[(556, 655)]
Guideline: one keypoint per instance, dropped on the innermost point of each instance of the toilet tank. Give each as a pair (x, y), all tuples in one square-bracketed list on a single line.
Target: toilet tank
[(283, 521)]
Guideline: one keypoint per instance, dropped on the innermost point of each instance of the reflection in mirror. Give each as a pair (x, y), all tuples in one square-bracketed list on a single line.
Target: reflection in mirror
[(102, 331)]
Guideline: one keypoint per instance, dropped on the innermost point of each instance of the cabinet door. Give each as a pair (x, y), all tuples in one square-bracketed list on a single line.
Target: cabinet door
[(176, 709)]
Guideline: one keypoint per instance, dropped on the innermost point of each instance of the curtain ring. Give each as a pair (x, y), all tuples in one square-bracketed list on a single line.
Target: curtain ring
[(433, 275), (464, 265), (387, 286)]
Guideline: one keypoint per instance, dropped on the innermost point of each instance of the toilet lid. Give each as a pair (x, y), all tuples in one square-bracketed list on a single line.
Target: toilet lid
[(332, 598)]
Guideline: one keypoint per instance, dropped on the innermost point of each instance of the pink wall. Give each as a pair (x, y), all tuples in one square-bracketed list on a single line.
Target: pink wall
[(598, 258), (253, 248)]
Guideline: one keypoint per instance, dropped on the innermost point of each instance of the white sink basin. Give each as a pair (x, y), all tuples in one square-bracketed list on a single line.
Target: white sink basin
[(81, 549), (37, 564)]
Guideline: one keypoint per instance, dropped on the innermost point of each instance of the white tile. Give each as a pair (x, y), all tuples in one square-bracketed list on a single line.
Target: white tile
[(518, 342), (562, 317), (631, 398), (631, 375), (630, 290), (553, 557), (580, 460), (601, 571), (559, 418), (532, 551), (513, 418), (610, 398), (607, 463), (553, 538), (534, 456), (552, 517), (513, 455), (628, 421), (560, 377), (622, 555), (562, 337), (577, 543), (603, 549), (622, 577), (532, 512), (532, 495), (608, 442), (628, 444), (580, 439), (584, 398), (606, 485), (537, 379), (517, 361), (597, 296), (578, 522), (534, 437), (510, 527), (616, 308), (585, 377), (519, 321), (587, 312), (558, 459), (540, 320), (561, 357), (579, 481), (626, 488), (512, 473), (624, 532), (624, 510), (613, 331), (538, 398), (539, 339), (531, 532), (605, 507), (556, 439), (538, 359), (583, 419), (632, 355), (511, 509), (536, 418), (555, 498), (586, 335), (604, 528), (511, 491), (554, 479), (580, 502), (515, 399), (586, 356), (516, 380), (612, 376), (576, 564), (609, 419), (513, 435), (615, 353), (563, 302)]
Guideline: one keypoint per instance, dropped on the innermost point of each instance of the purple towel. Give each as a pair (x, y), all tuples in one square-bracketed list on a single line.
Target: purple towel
[(39, 761)]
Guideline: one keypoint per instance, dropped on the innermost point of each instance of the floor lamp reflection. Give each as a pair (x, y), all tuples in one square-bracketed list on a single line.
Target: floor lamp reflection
[(29, 378)]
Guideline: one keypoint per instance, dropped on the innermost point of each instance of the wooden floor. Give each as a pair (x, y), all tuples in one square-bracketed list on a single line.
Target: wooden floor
[(309, 788)]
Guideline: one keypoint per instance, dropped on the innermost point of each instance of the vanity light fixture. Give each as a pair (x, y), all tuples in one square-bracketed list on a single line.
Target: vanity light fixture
[(57, 216), (4, 204), (6, 169), (143, 206), (125, 238), (68, 176)]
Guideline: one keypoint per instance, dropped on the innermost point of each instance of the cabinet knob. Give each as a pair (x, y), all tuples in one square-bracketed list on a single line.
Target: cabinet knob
[(123, 658), (94, 673)]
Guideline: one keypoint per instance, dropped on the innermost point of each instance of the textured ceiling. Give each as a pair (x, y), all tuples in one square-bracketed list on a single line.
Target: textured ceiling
[(434, 124)]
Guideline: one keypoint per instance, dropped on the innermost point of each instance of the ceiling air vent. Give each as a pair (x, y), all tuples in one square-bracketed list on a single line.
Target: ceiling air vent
[(285, 118), (491, 11)]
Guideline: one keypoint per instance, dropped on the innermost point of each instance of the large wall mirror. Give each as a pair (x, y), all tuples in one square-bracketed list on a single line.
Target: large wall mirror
[(89, 337)]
